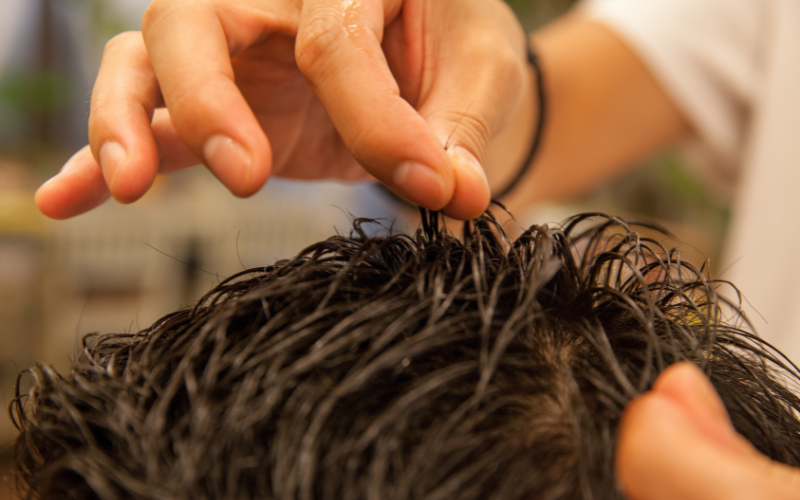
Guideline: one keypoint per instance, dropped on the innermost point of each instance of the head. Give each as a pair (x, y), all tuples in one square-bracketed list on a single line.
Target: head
[(401, 367)]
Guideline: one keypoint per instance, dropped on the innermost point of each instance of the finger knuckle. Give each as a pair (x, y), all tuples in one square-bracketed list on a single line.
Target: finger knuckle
[(163, 11), (152, 13), (314, 40), (472, 130), (498, 56), (367, 145), (183, 101), (362, 143), (122, 40), (512, 70), (98, 108), (499, 60), (97, 124), (478, 132)]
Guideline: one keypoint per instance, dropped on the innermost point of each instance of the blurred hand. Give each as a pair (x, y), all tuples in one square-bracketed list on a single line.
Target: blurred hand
[(677, 442), (302, 89)]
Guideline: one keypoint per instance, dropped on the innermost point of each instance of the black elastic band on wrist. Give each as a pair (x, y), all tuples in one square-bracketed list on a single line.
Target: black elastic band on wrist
[(541, 97)]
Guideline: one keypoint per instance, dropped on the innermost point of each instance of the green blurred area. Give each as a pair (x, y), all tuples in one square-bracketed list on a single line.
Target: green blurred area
[(105, 25), (533, 13), (34, 92)]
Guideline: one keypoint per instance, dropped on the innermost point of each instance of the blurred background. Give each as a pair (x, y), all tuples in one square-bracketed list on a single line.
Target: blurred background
[(119, 268)]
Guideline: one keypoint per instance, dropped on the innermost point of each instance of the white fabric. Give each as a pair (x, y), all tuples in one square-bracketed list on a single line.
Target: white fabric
[(129, 11), (732, 66), (14, 16)]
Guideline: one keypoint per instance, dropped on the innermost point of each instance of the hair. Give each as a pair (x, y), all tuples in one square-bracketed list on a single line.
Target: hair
[(399, 367)]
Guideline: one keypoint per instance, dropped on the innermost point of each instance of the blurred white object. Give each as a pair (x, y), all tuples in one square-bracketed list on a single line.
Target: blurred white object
[(15, 17), (732, 67), (129, 11)]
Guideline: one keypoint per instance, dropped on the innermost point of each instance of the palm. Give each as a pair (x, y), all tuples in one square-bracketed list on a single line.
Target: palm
[(305, 143)]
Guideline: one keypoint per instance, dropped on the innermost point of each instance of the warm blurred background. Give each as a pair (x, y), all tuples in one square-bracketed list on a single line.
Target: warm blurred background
[(119, 268)]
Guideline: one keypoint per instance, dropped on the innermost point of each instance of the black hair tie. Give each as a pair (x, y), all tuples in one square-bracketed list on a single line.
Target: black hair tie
[(533, 59)]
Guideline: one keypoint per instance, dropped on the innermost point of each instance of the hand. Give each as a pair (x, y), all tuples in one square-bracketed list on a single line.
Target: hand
[(677, 442), (303, 89)]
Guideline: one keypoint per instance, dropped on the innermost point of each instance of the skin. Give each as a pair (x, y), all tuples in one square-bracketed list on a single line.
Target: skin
[(355, 90), (418, 95), (606, 111), (273, 97), (677, 441)]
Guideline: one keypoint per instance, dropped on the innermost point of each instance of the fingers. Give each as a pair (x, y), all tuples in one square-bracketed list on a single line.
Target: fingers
[(190, 50), (173, 154), (471, 196), (677, 442), (339, 51), (78, 188), (81, 186), (123, 101), (186, 57)]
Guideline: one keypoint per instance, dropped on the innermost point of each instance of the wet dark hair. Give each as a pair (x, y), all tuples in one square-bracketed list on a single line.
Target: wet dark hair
[(401, 367)]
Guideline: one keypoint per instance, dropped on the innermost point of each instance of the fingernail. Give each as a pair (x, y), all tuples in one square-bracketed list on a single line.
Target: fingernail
[(461, 157), (112, 154), (421, 184), (229, 161)]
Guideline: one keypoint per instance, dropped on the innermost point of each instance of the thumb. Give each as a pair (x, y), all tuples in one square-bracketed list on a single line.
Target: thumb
[(466, 113), (677, 442), (478, 84), (472, 194)]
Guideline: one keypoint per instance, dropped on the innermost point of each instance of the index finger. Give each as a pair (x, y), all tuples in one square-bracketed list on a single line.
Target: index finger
[(339, 51), (190, 51)]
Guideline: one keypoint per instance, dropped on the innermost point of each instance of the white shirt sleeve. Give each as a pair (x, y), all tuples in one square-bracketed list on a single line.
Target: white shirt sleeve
[(15, 17), (707, 56)]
